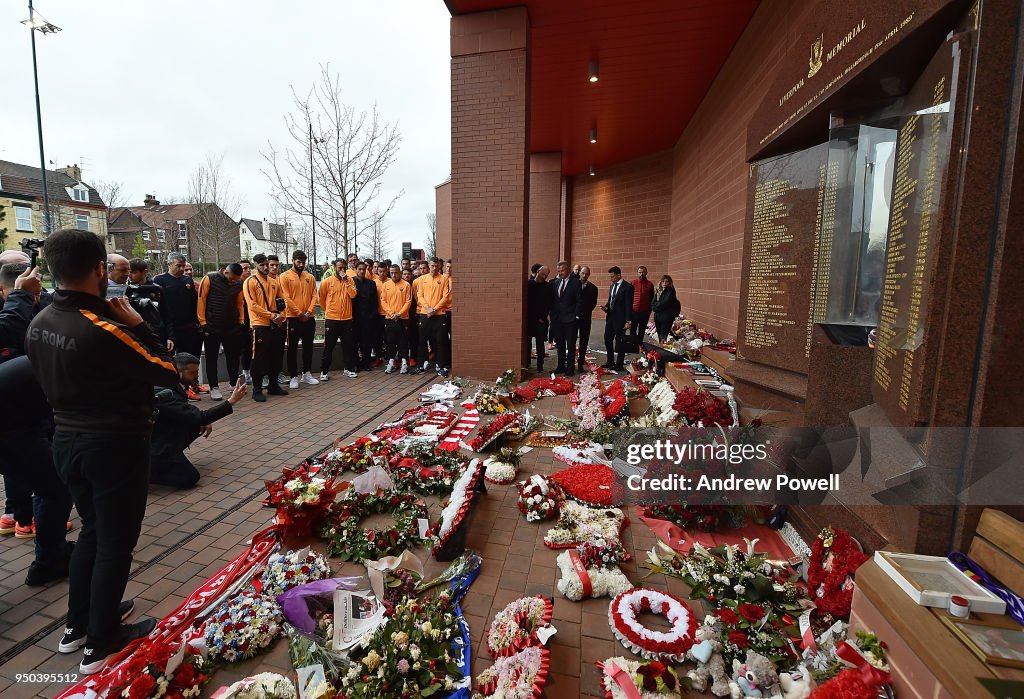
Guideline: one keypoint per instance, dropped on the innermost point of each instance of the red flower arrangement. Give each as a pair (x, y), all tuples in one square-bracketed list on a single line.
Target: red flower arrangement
[(560, 386), (623, 613), (848, 684), (492, 431), (301, 501), (539, 499), (835, 557), (614, 402), (591, 484), (524, 394), (700, 406), (147, 669)]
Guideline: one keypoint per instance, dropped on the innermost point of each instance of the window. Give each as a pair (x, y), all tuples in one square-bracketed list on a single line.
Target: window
[(183, 249), (182, 230), (80, 194), (82, 222), (248, 247), (23, 216), (161, 235), (145, 235)]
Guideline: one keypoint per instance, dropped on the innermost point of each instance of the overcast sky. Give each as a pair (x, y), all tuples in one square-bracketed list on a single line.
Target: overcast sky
[(139, 92)]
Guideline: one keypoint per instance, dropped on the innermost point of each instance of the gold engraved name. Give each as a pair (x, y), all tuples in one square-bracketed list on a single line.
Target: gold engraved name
[(850, 35)]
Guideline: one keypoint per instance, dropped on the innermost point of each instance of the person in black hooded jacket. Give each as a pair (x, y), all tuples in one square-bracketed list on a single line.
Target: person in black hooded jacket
[(665, 306), (179, 423)]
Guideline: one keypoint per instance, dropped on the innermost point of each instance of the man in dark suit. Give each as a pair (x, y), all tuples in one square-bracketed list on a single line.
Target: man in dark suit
[(566, 304), (588, 290), (538, 307), (618, 309)]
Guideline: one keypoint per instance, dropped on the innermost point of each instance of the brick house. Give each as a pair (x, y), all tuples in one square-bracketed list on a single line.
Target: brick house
[(73, 204)]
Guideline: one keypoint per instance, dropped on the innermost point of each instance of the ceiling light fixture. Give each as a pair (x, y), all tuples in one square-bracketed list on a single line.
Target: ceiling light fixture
[(593, 71), (593, 134)]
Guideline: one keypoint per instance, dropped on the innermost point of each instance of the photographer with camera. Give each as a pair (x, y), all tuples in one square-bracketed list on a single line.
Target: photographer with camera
[(266, 314), (179, 307), (97, 363), (180, 423)]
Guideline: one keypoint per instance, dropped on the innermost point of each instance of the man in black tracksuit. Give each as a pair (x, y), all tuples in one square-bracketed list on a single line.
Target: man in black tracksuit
[(97, 363), (364, 313), (178, 308), (179, 423)]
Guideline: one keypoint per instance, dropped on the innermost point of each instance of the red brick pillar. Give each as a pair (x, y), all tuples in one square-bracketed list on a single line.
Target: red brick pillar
[(545, 208), (490, 190)]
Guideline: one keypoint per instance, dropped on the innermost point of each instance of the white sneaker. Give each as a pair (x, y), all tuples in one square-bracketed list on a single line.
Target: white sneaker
[(281, 378), (426, 366), (307, 378), (293, 382), (405, 367), (215, 393), (247, 375), (266, 382), (351, 374), (324, 376), (390, 369)]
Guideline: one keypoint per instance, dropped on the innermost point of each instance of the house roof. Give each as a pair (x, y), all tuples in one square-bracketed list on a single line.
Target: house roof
[(272, 232), (27, 180)]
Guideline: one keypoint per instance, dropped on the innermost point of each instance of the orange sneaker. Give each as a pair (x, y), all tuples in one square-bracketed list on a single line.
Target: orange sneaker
[(8, 524), (28, 532), (193, 396), (202, 388)]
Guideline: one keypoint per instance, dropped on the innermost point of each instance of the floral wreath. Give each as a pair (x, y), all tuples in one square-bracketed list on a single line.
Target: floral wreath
[(578, 524), (497, 427), (651, 680), (436, 423), (350, 541), (591, 570), (653, 645), (147, 672), (835, 557), (457, 507), (745, 626), (285, 571), (243, 625), (596, 485), (539, 498), (559, 387), (501, 469), (515, 627), (708, 518), (524, 394), (698, 407), (412, 474), (301, 498), (358, 457), (522, 675)]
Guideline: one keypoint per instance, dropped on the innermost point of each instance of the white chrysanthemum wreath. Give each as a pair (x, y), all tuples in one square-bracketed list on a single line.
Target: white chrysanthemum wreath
[(653, 645)]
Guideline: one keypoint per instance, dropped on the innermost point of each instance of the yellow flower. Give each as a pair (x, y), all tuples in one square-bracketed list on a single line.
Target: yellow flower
[(372, 660)]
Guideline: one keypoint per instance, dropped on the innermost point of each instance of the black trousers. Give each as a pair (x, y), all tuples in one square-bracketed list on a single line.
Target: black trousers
[(335, 330), (187, 338), (174, 470), (381, 346), (412, 331), (664, 328), (396, 334), (303, 330), (538, 336), (615, 339), (638, 326), (585, 326), (108, 476), (246, 347), (231, 339), (26, 460), (267, 347), (434, 329), (565, 343), (365, 340)]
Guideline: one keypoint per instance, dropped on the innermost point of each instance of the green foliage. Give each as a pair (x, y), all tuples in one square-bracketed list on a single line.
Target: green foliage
[(139, 248)]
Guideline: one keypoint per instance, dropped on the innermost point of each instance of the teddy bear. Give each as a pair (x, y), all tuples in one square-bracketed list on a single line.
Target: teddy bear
[(707, 653), (798, 683), (755, 678)]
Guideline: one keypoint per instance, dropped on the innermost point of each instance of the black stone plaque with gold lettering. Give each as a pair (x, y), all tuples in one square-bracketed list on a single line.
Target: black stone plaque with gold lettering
[(915, 298), (785, 196)]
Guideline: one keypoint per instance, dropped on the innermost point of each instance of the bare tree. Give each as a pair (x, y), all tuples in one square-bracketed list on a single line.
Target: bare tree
[(212, 231), (431, 250), (112, 193), (332, 166), (379, 240)]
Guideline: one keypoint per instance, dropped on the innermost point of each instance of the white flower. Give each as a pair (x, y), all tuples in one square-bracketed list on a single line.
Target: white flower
[(740, 589)]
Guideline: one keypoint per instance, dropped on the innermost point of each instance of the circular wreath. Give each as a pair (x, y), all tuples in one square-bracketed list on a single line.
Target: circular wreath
[(539, 499), (521, 675), (412, 474), (515, 627), (653, 645), (350, 541), (357, 457), (835, 557)]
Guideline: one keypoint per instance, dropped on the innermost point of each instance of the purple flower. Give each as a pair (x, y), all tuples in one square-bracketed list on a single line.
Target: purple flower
[(403, 666)]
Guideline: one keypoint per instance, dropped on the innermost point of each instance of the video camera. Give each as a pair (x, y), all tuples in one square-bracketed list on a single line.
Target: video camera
[(146, 298), (31, 246)]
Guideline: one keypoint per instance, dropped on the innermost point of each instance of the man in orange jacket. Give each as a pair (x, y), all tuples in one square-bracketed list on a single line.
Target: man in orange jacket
[(336, 295), (396, 300), (299, 288), (433, 299), (266, 315)]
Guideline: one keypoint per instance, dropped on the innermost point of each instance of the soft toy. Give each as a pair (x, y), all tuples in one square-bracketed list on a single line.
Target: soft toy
[(755, 678), (797, 684), (707, 653)]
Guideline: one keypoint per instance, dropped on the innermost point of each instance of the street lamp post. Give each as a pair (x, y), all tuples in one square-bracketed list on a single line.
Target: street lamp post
[(37, 23), (312, 198)]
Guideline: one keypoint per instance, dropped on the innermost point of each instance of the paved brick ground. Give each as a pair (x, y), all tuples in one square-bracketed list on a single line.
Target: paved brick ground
[(187, 535)]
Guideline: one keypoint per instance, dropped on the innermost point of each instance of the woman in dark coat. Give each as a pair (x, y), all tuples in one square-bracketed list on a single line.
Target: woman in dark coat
[(665, 306)]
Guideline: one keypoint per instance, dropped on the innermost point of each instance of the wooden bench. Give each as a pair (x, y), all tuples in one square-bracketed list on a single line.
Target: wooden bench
[(927, 659)]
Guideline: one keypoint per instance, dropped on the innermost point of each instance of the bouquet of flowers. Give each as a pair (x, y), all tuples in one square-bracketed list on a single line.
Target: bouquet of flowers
[(614, 402), (506, 381), (502, 468), (516, 626), (706, 518), (746, 626), (399, 584), (555, 387), (291, 569), (162, 669), (653, 679), (358, 456), (589, 406), (835, 557), (301, 501), (539, 499), (418, 648), (242, 626), (698, 407), (579, 524), (591, 570), (489, 434), (488, 403), (266, 685), (350, 541)]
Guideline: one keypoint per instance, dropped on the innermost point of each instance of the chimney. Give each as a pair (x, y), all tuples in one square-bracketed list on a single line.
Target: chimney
[(72, 171), (151, 200)]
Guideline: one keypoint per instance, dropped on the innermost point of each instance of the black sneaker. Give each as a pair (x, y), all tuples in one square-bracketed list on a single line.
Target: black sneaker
[(444, 373), (95, 658), (258, 396), (418, 370), (40, 573), (74, 638), (276, 390)]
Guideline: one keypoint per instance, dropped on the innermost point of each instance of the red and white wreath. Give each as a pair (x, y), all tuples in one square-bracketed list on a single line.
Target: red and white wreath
[(520, 624), (519, 676), (539, 498), (653, 645)]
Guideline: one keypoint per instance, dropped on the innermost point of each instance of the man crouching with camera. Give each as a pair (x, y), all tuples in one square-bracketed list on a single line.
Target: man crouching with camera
[(97, 362)]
